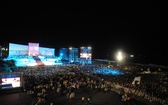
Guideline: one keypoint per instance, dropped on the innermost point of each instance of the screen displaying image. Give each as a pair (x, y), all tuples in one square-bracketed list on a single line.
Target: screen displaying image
[(33, 49), (10, 81)]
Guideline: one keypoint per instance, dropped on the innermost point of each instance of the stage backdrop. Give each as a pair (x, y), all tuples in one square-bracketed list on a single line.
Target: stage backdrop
[(33, 49), (46, 51), (17, 49)]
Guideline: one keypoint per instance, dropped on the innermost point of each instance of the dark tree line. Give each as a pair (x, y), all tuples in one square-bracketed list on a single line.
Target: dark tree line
[(7, 66)]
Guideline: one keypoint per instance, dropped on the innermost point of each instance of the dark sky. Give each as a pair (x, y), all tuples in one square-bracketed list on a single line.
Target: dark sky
[(134, 27)]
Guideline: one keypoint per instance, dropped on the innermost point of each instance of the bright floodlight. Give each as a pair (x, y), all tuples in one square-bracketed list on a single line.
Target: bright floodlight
[(119, 56)]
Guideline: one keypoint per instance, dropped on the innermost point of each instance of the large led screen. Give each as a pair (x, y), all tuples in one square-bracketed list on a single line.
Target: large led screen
[(17, 49), (33, 49), (46, 51), (85, 52), (10, 81), (86, 55)]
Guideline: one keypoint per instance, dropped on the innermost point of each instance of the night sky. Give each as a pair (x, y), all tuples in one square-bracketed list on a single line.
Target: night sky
[(134, 27)]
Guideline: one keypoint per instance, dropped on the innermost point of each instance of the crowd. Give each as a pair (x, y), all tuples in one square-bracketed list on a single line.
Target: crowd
[(66, 79)]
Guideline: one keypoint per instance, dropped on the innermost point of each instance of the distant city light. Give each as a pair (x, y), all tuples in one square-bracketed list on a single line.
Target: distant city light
[(131, 56)]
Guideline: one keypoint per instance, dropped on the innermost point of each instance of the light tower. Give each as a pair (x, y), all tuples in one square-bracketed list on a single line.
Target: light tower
[(120, 57)]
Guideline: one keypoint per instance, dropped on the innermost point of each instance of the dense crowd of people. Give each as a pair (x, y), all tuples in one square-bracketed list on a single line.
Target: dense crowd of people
[(65, 79)]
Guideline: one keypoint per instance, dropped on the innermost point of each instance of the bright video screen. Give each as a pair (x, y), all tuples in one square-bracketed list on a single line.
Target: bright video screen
[(17, 49), (10, 81), (33, 49)]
